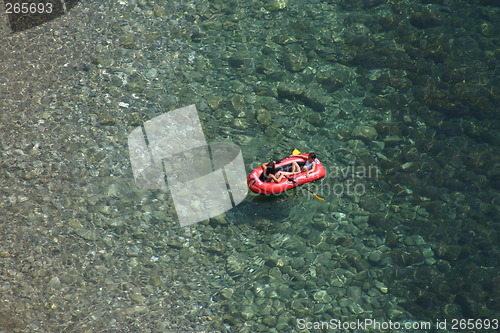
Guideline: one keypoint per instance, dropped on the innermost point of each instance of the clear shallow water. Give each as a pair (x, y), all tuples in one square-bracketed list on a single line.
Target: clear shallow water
[(411, 88)]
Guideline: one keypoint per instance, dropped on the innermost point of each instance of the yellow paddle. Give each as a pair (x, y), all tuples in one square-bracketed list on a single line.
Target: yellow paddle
[(315, 195), (297, 152)]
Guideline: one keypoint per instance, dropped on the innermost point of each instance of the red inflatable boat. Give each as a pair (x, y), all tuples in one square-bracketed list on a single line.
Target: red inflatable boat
[(257, 184)]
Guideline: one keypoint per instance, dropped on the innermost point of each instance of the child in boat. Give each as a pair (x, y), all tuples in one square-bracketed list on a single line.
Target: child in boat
[(270, 174), (309, 167)]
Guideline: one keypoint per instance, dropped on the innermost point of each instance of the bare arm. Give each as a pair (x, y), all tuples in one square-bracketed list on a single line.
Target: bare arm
[(313, 167), (274, 179), (302, 156)]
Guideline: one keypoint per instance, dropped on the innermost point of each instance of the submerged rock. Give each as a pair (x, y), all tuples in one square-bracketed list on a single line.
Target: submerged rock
[(364, 132), (316, 119), (371, 204), (375, 257), (295, 58), (226, 293), (270, 321), (424, 19), (263, 117), (55, 283), (247, 313), (271, 132), (274, 5), (310, 97), (377, 102), (127, 40)]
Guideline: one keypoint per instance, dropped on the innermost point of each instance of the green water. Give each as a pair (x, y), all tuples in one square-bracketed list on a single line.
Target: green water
[(399, 100)]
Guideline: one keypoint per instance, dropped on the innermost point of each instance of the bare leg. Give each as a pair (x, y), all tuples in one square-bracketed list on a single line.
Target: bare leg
[(295, 170)]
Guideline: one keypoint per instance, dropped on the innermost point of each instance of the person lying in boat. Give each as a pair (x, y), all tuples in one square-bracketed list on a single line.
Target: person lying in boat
[(270, 174), (309, 167)]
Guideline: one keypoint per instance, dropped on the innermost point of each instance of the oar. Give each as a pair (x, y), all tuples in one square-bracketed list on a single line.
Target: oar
[(308, 190)]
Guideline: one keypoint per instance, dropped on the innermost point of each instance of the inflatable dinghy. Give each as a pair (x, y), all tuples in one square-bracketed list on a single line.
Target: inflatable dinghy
[(257, 184)]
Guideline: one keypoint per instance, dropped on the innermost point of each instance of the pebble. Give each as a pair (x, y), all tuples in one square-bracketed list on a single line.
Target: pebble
[(427, 253), (88, 234), (106, 119), (274, 5), (322, 296), (414, 240), (430, 261), (375, 257), (5, 254), (160, 11), (356, 308), (354, 292), (152, 74), (271, 132), (226, 293), (360, 219), (380, 286), (128, 40), (55, 283), (247, 313), (137, 298), (263, 116), (270, 321)]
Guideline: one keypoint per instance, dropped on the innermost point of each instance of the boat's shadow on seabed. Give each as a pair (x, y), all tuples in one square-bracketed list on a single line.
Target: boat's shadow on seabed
[(274, 208)]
